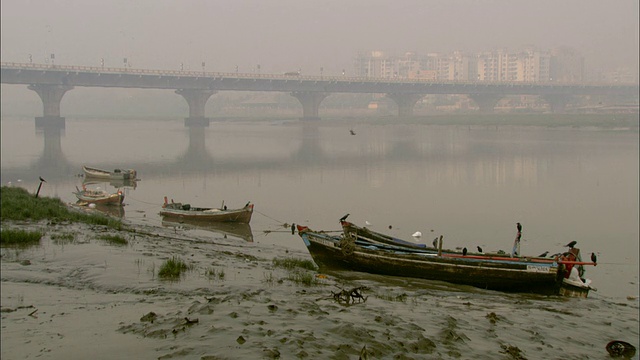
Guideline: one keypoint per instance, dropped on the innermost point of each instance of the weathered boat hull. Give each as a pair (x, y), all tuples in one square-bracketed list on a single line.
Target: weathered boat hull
[(100, 199), (515, 276), (117, 174), (204, 215)]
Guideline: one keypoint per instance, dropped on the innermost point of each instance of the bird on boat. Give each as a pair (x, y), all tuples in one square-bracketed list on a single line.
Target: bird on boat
[(594, 258), (519, 226), (464, 252), (41, 179), (544, 254), (247, 204), (435, 242), (417, 234), (571, 244), (352, 132), (479, 249), (344, 218)]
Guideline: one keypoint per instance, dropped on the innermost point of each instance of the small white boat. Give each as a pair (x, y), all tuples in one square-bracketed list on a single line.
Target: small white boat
[(99, 197), (117, 174)]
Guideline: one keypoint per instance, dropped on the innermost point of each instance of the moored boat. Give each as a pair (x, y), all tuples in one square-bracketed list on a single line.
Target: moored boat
[(202, 214), (99, 197), (353, 251), (116, 174)]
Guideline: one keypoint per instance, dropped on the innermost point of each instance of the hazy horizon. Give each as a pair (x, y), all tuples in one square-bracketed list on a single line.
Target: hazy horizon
[(287, 34)]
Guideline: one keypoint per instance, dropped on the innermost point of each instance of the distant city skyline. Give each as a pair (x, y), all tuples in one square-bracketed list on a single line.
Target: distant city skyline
[(290, 35)]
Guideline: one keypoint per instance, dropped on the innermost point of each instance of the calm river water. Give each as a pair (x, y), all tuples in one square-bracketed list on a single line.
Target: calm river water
[(471, 184)]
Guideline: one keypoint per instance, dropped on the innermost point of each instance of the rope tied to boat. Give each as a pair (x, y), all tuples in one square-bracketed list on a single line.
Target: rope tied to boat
[(348, 244)]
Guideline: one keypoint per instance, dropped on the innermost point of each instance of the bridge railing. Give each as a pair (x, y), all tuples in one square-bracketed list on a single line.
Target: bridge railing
[(343, 78)]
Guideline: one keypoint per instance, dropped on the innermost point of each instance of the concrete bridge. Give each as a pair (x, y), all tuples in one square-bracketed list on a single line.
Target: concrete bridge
[(51, 82)]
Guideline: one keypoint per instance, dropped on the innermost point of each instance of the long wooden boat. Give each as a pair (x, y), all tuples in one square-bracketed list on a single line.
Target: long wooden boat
[(496, 272), (116, 174), (99, 197), (236, 230), (202, 214)]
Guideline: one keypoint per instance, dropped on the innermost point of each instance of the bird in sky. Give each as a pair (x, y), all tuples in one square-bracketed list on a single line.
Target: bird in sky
[(464, 252), (544, 254), (594, 258), (367, 223), (571, 244), (479, 249), (41, 179), (344, 218), (352, 132)]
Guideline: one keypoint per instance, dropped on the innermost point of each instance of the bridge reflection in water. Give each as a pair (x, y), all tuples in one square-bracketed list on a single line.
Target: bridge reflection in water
[(309, 145)]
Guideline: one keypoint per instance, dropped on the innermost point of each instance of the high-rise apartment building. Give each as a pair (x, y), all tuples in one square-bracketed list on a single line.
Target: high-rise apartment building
[(502, 65)]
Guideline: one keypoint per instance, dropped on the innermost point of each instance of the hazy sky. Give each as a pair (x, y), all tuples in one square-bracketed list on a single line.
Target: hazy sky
[(282, 35)]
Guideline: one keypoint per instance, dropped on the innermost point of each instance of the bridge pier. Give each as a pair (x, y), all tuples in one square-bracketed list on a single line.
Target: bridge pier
[(310, 103), (486, 102), (405, 102), (196, 99), (51, 96), (558, 102)]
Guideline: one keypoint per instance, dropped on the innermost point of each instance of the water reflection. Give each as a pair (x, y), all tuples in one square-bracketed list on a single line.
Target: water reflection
[(237, 230), (116, 183), (460, 155), (52, 163)]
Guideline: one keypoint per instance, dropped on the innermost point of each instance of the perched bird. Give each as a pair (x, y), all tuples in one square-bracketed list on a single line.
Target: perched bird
[(435, 242), (519, 226), (390, 227), (352, 132), (344, 218), (479, 249), (417, 234), (594, 258), (464, 252), (293, 228), (572, 244), (41, 179), (544, 254)]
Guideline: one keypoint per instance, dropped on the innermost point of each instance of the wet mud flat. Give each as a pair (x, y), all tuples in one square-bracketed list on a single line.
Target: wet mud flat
[(78, 296)]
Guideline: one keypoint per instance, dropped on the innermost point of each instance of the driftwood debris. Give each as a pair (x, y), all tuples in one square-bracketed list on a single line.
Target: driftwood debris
[(350, 296)]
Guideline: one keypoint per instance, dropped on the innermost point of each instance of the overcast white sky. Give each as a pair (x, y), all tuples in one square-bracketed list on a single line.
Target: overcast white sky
[(281, 35)]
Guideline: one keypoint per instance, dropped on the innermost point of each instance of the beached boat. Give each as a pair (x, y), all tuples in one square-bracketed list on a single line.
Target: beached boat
[(352, 250), (116, 174), (222, 214), (99, 197), (226, 229)]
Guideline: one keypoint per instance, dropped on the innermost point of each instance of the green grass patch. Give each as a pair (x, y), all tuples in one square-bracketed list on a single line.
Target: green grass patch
[(215, 273), (173, 268), (63, 238), (114, 239), (303, 278), (14, 237), (292, 263), (18, 204)]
